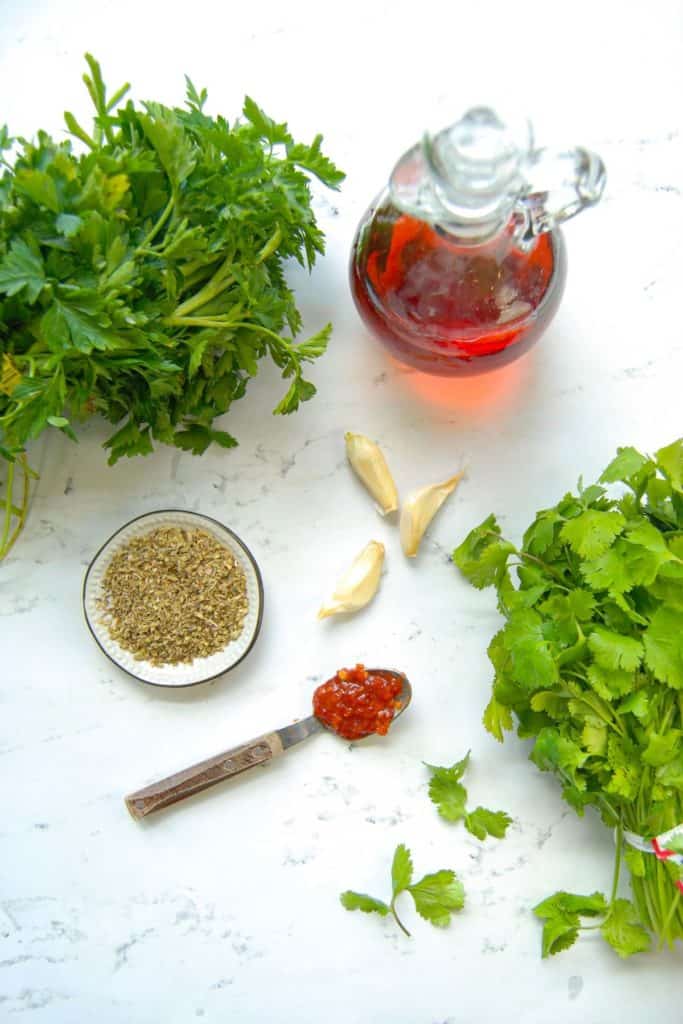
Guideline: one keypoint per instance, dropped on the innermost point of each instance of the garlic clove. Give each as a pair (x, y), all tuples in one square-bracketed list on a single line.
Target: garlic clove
[(368, 462), (419, 509), (359, 584)]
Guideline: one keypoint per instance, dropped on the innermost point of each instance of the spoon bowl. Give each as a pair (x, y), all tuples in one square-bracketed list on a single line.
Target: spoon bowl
[(259, 751)]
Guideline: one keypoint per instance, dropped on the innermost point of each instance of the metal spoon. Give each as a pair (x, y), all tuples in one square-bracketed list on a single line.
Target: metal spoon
[(232, 762)]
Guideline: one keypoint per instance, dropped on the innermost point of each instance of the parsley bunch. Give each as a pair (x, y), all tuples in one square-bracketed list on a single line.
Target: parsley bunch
[(142, 277), (590, 663)]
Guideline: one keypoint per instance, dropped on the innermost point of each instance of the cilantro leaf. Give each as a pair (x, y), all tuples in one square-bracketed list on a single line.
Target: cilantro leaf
[(561, 915), (608, 572), (482, 556), (592, 533), (482, 823), (401, 869), (560, 931), (532, 663), (497, 719), (447, 793), (574, 903), (627, 465), (671, 461), (663, 640), (614, 651), (542, 533), (436, 896), (553, 751), (623, 930), (662, 747), (360, 901)]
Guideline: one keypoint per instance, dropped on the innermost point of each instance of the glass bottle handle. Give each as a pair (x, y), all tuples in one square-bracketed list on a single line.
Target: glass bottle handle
[(561, 184)]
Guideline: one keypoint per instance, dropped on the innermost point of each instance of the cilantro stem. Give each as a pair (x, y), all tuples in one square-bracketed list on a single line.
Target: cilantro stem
[(666, 924), (530, 558), (617, 860), (399, 922)]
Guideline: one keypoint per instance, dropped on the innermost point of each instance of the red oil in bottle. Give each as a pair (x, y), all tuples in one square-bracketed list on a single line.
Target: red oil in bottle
[(448, 308)]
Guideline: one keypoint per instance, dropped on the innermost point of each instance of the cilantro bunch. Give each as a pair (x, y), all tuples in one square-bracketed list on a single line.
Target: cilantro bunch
[(142, 277), (590, 665)]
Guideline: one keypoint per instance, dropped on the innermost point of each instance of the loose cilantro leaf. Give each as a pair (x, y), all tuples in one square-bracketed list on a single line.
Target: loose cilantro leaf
[(450, 797), (368, 904), (561, 915), (569, 902), (589, 665), (401, 870), (436, 896), (447, 793), (142, 271), (623, 930), (482, 823)]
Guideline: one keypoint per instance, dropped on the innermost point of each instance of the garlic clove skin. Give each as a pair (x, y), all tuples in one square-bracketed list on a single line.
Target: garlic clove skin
[(419, 509), (368, 462), (359, 584)]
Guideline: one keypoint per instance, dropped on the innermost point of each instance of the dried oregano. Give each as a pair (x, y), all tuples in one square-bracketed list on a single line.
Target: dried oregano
[(173, 595)]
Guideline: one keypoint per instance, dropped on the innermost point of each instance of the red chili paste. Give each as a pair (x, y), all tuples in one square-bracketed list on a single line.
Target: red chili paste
[(356, 702)]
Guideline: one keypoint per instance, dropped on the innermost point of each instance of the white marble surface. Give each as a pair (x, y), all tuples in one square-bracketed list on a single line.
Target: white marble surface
[(227, 909)]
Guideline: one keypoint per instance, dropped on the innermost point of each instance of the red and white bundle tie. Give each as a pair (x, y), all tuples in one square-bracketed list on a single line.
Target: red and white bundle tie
[(658, 846)]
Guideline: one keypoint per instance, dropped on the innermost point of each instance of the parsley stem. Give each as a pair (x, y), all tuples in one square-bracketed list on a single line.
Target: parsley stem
[(283, 342), (270, 246), (9, 487), (151, 235), (221, 280), (7, 542), (200, 321)]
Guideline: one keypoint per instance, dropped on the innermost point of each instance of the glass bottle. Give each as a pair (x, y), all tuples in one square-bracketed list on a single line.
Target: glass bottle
[(459, 265)]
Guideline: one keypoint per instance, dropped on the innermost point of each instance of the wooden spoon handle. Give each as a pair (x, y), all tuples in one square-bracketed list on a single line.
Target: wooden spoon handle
[(204, 774)]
